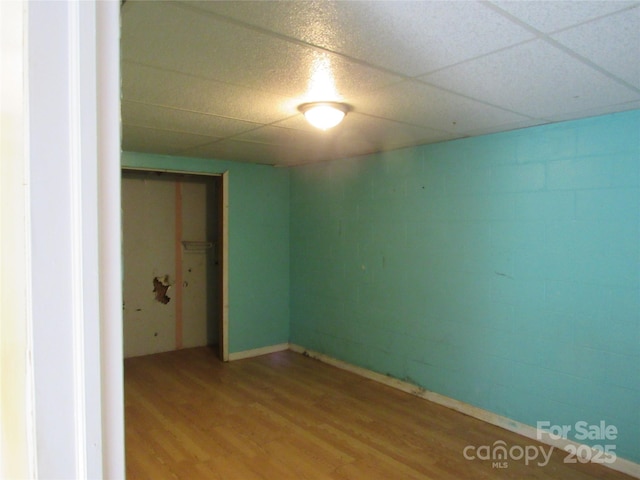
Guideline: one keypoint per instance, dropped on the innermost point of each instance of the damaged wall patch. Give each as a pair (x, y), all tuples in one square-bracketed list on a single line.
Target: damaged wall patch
[(160, 287)]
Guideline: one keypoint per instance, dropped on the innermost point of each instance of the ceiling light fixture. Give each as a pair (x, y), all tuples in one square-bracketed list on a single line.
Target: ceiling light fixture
[(324, 115)]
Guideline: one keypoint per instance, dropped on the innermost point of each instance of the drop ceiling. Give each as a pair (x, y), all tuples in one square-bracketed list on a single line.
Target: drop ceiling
[(223, 80)]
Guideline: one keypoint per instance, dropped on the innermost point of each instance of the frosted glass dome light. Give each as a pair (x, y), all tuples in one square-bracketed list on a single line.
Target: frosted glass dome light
[(324, 115)]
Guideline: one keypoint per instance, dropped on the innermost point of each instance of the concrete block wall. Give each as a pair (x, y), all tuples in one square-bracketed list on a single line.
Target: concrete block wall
[(502, 271)]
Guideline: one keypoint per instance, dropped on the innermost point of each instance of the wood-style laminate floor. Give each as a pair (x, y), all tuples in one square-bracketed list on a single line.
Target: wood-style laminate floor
[(286, 416)]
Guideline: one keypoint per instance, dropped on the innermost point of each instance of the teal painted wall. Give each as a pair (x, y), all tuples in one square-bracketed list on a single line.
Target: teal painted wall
[(258, 245), (500, 270)]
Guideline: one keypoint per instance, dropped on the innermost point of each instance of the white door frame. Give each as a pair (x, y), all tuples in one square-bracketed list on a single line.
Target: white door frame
[(109, 230), (70, 265)]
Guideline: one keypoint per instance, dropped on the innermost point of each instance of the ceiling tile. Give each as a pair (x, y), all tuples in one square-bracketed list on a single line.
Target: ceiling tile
[(237, 151), (283, 146), (550, 16), (423, 105), (164, 118), (297, 146), (506, 127), (278, 135), (380, 134), (278, 155), (165, 35), (612, 43), (411, 38), (357, 134), (145, 84), (535, 79), (199, 44), (150, 140), (606, 109)]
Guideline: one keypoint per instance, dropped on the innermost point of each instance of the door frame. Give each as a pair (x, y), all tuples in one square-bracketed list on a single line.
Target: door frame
[(223, 349), (61, 300)]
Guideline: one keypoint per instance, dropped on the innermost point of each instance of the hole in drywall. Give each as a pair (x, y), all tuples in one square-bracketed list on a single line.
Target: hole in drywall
[(160, 287)]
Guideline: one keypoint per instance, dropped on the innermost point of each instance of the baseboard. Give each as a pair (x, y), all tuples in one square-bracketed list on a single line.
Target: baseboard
[(620, 464), (256, 352)]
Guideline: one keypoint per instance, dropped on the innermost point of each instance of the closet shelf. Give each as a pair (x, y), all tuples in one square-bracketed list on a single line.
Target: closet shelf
[(195, 246)]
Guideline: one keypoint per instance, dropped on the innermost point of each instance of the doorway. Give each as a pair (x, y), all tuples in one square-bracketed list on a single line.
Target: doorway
[(174, 262)]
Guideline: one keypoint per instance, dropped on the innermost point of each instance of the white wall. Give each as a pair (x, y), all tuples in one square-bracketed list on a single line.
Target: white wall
[(16, 459), (148, 231)]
